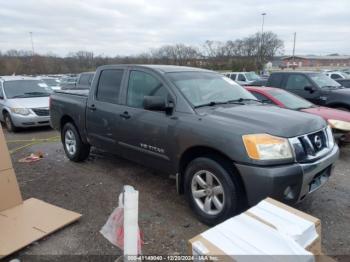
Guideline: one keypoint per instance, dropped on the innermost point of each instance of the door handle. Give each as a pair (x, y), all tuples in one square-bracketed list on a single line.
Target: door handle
[(92, 107), (125, 115)]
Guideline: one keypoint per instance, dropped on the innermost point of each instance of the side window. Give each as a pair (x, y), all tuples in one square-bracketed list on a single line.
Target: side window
[(233, 76), (109, 85), (142, 84), (241, 77), (84, 79), (262, 98), (275, 80), (297, 82), (1, 91), (335, 76)]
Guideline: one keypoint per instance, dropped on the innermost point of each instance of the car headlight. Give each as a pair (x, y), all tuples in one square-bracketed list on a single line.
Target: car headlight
[(20, 111), (267, 147), (330, 137), (339, 124)]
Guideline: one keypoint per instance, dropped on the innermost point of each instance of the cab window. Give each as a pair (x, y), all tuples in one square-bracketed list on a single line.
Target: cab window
[(297, 82), (109, 85), (142, 84)]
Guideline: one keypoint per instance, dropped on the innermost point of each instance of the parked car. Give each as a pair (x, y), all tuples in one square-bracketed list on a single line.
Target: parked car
[(243, 78), (51, 82), (344, 82), (68, 82), (339, 120), (24, 102), (84, 80), (261, 82), (315, 87), (225, 148), (337, 75)]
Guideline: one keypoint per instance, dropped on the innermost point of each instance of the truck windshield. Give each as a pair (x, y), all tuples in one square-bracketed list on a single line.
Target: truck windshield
[(51, 81), (25, 89), (290, 100), (202, 88), (252, 76), (324, 81)]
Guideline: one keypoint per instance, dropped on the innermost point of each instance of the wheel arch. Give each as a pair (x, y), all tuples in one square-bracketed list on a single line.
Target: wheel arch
[(204, 151)]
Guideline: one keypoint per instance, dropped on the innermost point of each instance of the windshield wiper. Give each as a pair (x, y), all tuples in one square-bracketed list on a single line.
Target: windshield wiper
[(333, 87), (212, 103), (19, 96), (241, 100)]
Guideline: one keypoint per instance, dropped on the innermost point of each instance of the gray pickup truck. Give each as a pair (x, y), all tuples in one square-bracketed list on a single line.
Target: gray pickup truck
[(226, 149)]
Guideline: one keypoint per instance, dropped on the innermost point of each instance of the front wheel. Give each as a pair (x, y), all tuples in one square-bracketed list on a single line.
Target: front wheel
[(213, 190), (76, 150), (9, 124)]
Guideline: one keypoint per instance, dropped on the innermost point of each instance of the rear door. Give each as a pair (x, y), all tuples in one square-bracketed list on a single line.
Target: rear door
[(104, 109), (296, 83), (146, 135)]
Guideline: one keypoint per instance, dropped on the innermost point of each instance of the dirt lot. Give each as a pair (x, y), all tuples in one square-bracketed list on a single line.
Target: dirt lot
[(92, 189)]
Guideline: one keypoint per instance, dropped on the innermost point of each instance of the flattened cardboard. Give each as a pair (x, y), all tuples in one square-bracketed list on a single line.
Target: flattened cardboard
[(30, 221), (5, 159), (10, 195), (22, 223)]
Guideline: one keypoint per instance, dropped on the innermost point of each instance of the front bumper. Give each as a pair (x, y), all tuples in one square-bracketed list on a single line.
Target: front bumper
[(30, 120), (287, 183)]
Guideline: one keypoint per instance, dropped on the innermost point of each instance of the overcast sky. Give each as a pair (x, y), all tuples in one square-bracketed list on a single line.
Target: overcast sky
[(127, 27)]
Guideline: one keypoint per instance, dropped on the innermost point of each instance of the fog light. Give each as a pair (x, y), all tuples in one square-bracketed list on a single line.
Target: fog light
[(289, 193)]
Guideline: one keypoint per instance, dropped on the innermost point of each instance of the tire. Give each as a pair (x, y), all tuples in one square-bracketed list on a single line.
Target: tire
[(232, 198), (9, 124), (75, 149)]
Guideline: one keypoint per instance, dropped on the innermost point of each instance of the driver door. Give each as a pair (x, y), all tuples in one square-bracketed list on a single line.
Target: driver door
[(296, 83), (146, 136)]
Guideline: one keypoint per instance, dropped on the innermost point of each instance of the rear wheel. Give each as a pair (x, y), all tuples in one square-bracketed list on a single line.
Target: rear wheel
[(76, 150), (9, 124), (213, 190)]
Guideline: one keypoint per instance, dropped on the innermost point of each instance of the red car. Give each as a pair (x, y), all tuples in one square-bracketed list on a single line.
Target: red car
[(339, 120)]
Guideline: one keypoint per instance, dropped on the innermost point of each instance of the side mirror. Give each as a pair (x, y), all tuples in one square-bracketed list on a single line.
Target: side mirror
[(157, 103), (311, 89)]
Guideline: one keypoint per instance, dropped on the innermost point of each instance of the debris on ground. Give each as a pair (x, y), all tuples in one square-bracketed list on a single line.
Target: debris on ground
[(33, 157)]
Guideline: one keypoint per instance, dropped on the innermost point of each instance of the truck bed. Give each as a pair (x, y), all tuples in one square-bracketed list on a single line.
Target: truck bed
[(81, 92)]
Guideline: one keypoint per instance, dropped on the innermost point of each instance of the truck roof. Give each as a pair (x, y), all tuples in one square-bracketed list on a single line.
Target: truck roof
[(162, 68), (296, 72)]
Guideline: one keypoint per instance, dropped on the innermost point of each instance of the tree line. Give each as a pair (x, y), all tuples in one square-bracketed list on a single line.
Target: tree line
[(249, 53)]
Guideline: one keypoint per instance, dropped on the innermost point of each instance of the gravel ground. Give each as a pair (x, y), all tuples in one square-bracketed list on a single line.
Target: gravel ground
[(92, 188)]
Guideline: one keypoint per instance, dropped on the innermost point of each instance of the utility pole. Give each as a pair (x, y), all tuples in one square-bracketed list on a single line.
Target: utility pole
[(261, 38), (31, 40), (295, 36)]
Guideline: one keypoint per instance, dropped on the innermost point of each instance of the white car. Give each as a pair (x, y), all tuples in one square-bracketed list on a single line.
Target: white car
[(243, 78), (24, 102), (53, 83), (337, 75)]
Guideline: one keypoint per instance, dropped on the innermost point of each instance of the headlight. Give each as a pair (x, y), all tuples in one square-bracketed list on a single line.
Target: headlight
[(330, 137), (339, 124), (20, 111), (267, 147)]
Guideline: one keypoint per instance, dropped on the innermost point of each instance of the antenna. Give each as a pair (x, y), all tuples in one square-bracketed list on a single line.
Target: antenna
[(31, 40)]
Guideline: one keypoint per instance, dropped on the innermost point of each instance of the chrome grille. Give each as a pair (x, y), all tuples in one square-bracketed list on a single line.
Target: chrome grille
[(41, 111), (311, 146)]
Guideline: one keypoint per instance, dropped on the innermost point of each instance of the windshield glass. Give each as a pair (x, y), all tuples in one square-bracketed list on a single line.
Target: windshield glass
[(252, 76), (25, 88), (205, 87), (324, 81), (290, 100), (51, 82)]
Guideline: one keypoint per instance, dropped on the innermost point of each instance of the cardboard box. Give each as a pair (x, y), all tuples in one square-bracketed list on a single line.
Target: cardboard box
[(5, 160), (23, 222), (224, 242)]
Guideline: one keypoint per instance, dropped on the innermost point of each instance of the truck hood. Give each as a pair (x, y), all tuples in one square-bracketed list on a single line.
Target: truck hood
[(341, 91), (250, 119), (329, 113), (32, 102)]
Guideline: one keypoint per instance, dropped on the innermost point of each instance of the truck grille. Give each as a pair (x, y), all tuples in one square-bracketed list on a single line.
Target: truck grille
[(310, 146), (41, 111)]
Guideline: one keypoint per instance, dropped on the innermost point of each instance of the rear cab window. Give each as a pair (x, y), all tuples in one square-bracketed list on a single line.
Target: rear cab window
[(109, 84), (275, 80)]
